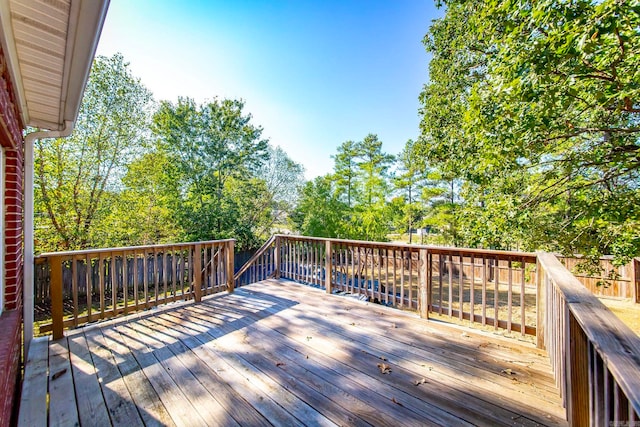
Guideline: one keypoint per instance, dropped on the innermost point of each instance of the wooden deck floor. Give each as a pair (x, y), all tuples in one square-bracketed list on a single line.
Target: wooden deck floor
[(280, 353)]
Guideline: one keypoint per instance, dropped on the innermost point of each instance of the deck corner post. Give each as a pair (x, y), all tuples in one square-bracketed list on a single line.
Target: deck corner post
[(230, 265), (541, 280), (327, 266), (276, 271), (425, 282), (55, 263), (197, 273)]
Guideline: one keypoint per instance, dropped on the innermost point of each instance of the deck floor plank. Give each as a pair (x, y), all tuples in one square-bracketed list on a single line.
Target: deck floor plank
[(280, 353), (33, 407), (63, 410), (375, 407), (152, 411), (428, 398), (92, 409), (122, 410), (297, 408), (389, 340), (202, 399), (371, 408), (177, 404)]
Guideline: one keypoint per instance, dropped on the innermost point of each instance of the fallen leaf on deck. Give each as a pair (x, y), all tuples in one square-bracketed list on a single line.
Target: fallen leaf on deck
[(393, 399), (465, 335), (280, 364), (308, 338), (422, 381), (384, 368), (508, 371), (58, 374), (352, 324)]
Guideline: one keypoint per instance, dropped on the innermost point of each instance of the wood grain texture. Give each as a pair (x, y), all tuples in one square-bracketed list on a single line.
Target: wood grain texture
[(280, 353)]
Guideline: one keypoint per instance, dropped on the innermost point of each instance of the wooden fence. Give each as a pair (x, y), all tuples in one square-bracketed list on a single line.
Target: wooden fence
[(90, 285), (614, 282)]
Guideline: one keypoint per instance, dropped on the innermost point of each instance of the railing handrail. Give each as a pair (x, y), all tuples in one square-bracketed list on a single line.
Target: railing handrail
[(129, 248), (255, 256), (617, 344), (416, 248)]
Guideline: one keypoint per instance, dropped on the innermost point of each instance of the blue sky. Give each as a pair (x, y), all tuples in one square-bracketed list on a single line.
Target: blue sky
[(313, 74)]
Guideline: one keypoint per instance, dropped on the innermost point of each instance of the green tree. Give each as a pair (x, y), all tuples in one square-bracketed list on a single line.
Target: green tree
[(145, 211), (374, 166), (409, 182), (211, 144), (320, 212), (77, 178), (346, 170), (283, 178), (534, 105)]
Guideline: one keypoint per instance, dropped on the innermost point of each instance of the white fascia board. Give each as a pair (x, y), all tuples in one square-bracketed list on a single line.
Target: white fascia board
[(11, 56), (86, 19)]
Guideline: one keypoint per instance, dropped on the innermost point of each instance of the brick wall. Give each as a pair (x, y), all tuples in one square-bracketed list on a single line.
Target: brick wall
[(11, 328), (11, 318)]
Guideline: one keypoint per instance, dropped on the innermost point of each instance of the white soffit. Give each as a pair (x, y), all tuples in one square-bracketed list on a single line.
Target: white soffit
[(50, 46)]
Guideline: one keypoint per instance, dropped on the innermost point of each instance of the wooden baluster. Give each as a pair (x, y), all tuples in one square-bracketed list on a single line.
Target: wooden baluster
[(197, 269), (136, 282), (496, 294), (440, 281), (89, 280), (450, 281), (145, 277), (125, 282), (541, 306), (114, 284), (101, 272), (174, 271), (509, 293), (74, 289), (277, 258), (327, 266), (57, 314), (523, 319), (472, 282), (230, 255), (461, 287), (424, 284)]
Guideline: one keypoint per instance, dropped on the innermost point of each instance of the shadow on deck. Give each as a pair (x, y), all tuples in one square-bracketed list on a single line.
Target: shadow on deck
[(280, 353)]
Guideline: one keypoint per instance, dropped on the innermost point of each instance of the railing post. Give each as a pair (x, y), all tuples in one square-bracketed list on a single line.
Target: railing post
[(197, 273), (425, 282), (327, 266), (276, 271), (230, 265), (540, 304), (55, 264)]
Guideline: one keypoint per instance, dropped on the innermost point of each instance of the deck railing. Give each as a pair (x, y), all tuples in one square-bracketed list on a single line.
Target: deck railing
[(594, 356), (492, 288), (98, 284)]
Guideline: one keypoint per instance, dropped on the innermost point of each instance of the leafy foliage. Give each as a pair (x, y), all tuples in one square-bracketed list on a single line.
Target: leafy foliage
[(534, 106), (76, 178)]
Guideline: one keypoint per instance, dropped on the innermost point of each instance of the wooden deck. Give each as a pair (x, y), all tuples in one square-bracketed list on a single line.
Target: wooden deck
[(281, 353)]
